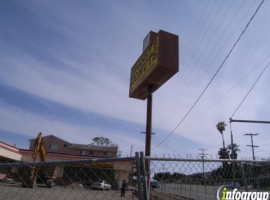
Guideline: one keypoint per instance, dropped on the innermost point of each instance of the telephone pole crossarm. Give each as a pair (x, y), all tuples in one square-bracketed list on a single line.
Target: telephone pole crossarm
[(252, 145)]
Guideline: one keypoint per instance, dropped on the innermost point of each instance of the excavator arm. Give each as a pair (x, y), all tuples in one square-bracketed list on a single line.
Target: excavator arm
[(39, 148), (31, 173)]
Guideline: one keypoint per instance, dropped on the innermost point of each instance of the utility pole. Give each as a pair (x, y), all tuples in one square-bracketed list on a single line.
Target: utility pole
[(203, 155), (252, 146), (163, 167), (163, 186), (131, 148)]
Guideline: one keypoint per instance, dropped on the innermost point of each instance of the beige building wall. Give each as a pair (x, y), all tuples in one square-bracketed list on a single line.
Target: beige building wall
[(121, 175), (123, 171)]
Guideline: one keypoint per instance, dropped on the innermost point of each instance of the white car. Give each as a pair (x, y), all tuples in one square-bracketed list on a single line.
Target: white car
[(102, 185)]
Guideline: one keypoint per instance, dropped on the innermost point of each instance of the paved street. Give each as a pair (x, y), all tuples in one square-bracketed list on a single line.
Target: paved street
[(196, 192), (191, 191)]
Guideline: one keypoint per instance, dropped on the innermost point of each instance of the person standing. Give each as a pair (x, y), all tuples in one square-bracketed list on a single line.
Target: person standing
[(123, 188)]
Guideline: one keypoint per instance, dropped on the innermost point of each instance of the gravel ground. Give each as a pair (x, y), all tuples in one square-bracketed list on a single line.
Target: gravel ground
[(74, 192)]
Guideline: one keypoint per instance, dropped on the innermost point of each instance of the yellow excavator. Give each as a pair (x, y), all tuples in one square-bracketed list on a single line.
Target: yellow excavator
[(30, 173), (39, 148)]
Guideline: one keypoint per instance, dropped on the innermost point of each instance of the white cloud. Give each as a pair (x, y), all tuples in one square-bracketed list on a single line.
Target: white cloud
[(104, 94), (96, 62), (29, 124), (107, 94)]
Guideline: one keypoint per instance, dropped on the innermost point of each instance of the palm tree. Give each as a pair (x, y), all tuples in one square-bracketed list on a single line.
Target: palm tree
[(224, 153), (221, 128), (233, 149)]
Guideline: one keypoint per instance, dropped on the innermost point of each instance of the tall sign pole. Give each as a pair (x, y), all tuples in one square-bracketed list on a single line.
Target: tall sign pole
[(149, 122), (157, 64), (148, 133)]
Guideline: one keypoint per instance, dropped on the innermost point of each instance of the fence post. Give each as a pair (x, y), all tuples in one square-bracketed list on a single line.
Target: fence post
[(138, 169), (244, 176), (145, 190)]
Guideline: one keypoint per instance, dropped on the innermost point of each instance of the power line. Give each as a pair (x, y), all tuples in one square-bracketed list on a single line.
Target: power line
[(192, 76), (192, 42), (229, 90), (211, 80), (204, 63), (250, 89)]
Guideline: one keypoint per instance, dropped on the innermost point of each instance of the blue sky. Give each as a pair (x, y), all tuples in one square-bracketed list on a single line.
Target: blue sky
[(65, 69)]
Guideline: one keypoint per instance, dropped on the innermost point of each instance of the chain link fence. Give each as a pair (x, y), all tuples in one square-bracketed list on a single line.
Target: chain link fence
[(202, 179), (171, 178), (72, 180)]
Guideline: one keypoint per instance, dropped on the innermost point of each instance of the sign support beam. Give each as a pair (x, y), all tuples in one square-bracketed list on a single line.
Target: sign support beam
[(148, 133), (249, 121)]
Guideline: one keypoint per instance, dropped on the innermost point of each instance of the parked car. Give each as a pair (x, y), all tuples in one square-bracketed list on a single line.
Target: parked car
[(101, 184), (154, 184)]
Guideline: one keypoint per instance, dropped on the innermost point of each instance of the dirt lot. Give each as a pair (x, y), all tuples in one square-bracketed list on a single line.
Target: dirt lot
[(73, 192)]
